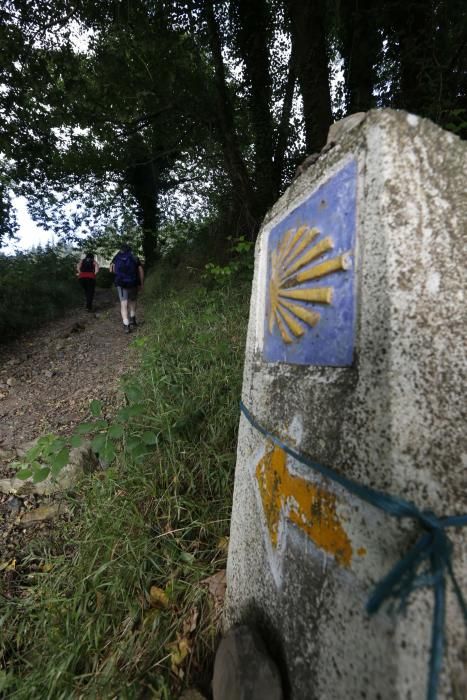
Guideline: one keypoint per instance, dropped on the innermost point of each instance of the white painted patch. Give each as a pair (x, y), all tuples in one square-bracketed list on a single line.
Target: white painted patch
[(261, 291), (412, 120), (432, 283), (296, 429)]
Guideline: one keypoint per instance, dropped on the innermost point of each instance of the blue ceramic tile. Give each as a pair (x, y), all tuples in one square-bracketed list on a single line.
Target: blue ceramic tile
[(310, 304)]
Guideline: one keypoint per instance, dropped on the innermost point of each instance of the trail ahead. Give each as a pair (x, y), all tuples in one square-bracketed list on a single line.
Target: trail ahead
[(48, 378)]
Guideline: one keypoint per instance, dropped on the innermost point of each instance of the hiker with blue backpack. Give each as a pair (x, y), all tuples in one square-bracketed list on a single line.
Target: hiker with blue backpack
[(129, 278)]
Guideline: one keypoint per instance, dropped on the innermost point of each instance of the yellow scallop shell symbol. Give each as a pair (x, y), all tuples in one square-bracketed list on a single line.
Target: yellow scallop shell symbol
[(291, 269)]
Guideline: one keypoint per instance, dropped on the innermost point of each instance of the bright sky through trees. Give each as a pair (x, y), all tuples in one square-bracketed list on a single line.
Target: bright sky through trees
[(29, 234)]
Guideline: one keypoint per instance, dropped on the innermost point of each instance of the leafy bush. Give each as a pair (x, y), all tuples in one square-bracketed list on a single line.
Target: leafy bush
[(105, 278), (240, 267), (175, 237), (35, 287)]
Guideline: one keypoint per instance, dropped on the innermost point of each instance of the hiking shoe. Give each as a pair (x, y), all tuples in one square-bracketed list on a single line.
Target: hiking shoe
[(126, 328), (133, 321)]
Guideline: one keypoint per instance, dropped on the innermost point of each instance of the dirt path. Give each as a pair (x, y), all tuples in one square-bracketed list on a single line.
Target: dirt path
[(47, 379)]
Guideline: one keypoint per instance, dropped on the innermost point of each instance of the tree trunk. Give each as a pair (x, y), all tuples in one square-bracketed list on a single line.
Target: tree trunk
[(253, 40), (309, 46), (358, 29), (143, 178), (148, 210), (283, 129), (414, 29), (234, 162), (450, 57)]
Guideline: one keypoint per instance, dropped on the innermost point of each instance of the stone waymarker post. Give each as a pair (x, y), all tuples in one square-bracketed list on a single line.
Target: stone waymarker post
[(355, 358)]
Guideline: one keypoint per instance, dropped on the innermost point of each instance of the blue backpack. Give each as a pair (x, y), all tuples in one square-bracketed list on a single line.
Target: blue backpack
[(126, 270)]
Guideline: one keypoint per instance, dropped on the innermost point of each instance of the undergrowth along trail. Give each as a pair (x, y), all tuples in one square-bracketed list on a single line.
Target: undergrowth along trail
[(36, 287), (118, 607)]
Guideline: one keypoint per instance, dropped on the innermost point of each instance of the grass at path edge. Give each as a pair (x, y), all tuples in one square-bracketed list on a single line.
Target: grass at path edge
[(118, 608)]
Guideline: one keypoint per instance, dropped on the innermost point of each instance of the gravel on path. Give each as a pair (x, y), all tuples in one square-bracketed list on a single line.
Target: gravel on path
[(47, 379)]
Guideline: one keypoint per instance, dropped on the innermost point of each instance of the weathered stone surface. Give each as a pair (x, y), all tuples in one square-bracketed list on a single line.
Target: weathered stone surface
[(243, 670), (344, 126), (44, 512), (9, 485), (191, 694), (21, 450), (14, 504), (304, 554), (82, 460), (6, 454)]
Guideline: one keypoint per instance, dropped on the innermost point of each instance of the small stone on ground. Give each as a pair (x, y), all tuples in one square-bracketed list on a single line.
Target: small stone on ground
[(243, 670)]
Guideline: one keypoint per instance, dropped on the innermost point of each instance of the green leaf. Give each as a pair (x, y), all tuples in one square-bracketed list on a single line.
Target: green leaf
[(116, 432), (98, 443), (140, 342), (124, 413), (84, 428), (139, 453), (136, 410), (44, 440), (40, 474), (33, 453), (57, 445), (46, 451), (101, 424), (133, 393), (134, 443), (149, 438), (108, 452), (76, 440), (24, 474), (59, 461), (96, 407), (187, 557)]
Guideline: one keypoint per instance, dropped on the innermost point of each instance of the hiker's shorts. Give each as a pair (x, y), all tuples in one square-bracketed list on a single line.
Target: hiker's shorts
[(127, 294)]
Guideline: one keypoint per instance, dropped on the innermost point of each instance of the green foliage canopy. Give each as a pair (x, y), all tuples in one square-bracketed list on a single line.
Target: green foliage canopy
[(115, 105)]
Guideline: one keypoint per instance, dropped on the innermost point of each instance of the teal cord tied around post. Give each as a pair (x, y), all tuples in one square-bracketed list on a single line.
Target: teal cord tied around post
[(427, 563)]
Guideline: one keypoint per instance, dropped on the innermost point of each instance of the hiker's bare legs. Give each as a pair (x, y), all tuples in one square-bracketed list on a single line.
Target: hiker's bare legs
[(128, 299), (124, 311), (132, 308)]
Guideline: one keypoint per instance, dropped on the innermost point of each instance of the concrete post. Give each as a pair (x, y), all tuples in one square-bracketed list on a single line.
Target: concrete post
[(355, 357)]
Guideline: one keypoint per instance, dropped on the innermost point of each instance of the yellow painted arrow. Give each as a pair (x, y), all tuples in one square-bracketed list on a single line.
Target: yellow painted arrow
[(309, 507)]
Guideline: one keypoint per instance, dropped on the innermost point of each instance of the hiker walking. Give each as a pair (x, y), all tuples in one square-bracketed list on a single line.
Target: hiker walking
[(87, 270), (129, 278)]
